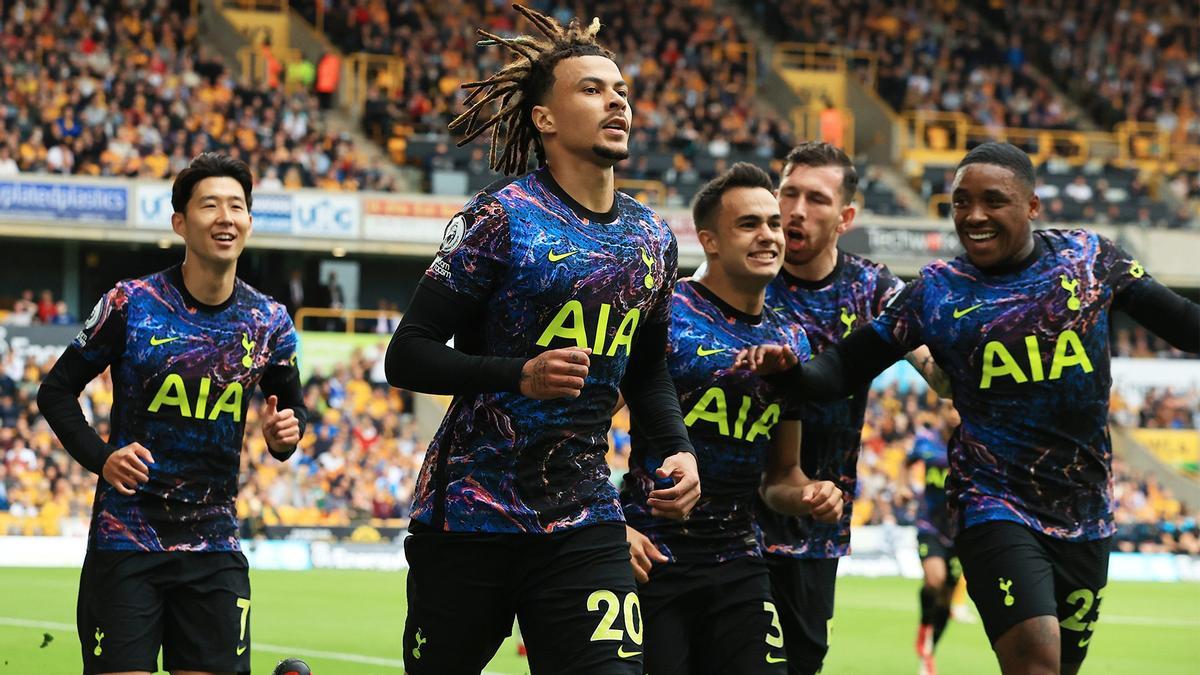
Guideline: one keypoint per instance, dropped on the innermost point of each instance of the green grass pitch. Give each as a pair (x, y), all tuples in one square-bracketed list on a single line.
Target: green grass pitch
[(350, 622)]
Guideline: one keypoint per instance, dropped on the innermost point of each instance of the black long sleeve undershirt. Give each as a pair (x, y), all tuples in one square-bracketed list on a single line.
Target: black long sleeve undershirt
[(840, 370), (58, 401), (650, 393), (284, 383), (1164, 312), (857, 360), (418, 358)]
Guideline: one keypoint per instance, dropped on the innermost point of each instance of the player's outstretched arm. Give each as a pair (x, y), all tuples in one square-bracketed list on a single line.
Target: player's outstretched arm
[(835, 374), (418, 358), (642, 554), (787, 490), (58, 401), (1164, 312), (935, 377)]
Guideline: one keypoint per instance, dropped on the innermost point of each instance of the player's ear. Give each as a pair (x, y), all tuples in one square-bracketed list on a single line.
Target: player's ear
[(543, 119), (1035, 206), (848, 213), (708, 241), (177, 223)]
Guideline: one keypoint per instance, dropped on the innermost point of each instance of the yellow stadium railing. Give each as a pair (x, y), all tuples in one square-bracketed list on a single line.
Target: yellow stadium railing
[(936, 202), (349, 317), (1151, 147), (813, 56), (933, 137), (807, 124), (651, 192)]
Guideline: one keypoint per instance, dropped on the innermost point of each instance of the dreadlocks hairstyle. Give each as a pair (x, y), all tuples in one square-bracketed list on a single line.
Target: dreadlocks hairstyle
[(519, 86)]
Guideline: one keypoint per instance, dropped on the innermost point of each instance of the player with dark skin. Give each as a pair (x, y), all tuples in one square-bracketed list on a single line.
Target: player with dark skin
[(1031, 461)]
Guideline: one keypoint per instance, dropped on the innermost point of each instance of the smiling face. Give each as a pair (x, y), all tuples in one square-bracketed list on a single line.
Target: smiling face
[(216, 223), (746, 244), (992, 211), (587, 111), (814, 210)]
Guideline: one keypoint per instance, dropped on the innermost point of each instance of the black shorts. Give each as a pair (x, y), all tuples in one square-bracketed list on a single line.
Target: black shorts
[(573, 593), (196, 606), (933, 546), (712, 618), (1014, 574), (803, 590)]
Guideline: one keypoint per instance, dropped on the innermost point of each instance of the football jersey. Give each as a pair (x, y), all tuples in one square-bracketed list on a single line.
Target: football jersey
[(183, 374), (829, 310), (730, 414), (551, 275), (932, 515), (1027, 354)]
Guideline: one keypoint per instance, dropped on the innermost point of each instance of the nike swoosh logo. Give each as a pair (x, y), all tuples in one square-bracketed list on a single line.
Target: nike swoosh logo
[(701, 351), (241, 650), (555, 257), (156, 341), (960, 313), (775, 659), (1084, 642), (624, 654)]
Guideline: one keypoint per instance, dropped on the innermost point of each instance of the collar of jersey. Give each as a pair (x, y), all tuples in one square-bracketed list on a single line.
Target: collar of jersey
[(726, 309), (1039, 249), (793, 280), (174, 276), (543, 175)]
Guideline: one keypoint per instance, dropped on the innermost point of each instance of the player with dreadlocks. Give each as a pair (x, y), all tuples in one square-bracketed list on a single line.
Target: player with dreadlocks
[(557, 290)]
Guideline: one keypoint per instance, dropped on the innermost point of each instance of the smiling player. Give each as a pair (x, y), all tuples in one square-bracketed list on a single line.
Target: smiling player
[(187, 346), (707, 602), (1020, 324)]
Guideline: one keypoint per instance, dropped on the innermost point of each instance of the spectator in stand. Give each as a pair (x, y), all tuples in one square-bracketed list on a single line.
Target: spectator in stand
[(46, 309)]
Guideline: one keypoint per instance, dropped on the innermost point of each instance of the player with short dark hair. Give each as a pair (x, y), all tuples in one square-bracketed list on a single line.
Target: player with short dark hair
[(935, 535), (187, 347), (829, 292), (556, 289), (706, 595), (1020, 324)]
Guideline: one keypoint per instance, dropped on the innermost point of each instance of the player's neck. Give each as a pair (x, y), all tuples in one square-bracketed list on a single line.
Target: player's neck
[(591, 185), (820, 267), (208, 283), (745, 297)]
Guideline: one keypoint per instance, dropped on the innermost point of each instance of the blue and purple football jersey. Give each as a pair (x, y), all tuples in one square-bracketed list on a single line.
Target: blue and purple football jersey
[(730, 414), (552, 275), (183, 374), (933, 517), (1027, 353), (828, 310)]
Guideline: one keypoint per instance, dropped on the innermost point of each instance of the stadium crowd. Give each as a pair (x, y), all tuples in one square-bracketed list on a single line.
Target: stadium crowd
[(362, 452), (1124, 61), (688, 66), (112, 88), (930, 55), (26, 310)]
